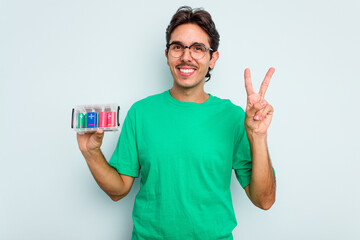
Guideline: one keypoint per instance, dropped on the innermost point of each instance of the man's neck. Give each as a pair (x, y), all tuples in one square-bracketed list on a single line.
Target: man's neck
[(197, 95)]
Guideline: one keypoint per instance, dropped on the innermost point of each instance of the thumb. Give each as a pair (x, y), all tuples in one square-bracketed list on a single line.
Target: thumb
[(99, 134), (95, 140), (256, 107)]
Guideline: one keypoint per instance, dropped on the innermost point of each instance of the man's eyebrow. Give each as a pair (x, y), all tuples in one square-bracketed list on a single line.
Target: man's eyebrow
[(178, 42)]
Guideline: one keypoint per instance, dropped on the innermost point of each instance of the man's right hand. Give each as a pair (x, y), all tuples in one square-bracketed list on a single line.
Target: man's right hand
[(90, 142)]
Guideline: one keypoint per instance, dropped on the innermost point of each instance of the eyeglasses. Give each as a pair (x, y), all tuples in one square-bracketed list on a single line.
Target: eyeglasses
[(197, 50)]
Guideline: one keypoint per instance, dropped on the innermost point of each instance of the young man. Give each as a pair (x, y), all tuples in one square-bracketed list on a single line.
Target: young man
[(185, 143)]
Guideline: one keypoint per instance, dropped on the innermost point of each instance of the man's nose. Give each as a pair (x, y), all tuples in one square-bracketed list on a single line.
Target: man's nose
[(187, 55)]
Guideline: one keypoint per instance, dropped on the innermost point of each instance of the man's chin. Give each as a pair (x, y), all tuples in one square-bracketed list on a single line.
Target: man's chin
[(187, 85)]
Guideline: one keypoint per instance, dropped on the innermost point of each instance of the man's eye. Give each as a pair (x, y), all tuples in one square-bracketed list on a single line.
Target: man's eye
[(176, 47), (198, 48)]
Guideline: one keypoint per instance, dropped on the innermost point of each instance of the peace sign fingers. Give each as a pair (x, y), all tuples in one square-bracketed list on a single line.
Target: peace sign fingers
[(266, 82), (248, 84), (258, 112)]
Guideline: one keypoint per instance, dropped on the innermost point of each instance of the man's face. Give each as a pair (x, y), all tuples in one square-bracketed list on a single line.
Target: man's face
[(187, 71)]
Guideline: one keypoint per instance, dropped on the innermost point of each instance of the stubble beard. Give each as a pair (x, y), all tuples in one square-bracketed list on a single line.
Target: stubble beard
[(193, 86)]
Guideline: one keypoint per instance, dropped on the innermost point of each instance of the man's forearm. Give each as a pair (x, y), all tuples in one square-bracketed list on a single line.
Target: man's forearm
[(262, 184), (107, 177)]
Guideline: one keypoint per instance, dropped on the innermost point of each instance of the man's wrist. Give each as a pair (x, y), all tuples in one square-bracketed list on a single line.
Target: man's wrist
[(91, 154), (256, 137)]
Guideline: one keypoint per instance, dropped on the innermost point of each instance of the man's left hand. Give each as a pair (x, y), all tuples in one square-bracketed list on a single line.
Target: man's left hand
[(258, 113)]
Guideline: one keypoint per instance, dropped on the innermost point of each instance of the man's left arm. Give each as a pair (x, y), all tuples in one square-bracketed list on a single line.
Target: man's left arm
[(261, 190)]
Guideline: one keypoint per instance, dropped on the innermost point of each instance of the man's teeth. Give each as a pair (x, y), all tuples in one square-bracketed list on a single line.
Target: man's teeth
[(187, 70)]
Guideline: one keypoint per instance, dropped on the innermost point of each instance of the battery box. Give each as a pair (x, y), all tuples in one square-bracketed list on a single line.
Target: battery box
[(89, 118)]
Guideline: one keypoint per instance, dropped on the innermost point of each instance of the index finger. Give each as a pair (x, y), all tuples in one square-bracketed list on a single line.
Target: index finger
[(248, 84), (265, 83)]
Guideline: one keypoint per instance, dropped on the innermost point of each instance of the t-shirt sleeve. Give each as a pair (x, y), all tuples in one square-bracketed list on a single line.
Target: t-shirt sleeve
[(125, 157), (242, 163)]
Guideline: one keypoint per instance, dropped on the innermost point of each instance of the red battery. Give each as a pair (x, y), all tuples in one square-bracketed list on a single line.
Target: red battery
[(111, 119), (103, 119)]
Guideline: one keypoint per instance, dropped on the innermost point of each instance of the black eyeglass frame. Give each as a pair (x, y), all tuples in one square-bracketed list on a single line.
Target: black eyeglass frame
[(184, 46)]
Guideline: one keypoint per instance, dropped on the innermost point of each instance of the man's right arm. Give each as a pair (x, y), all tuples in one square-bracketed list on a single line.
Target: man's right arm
[(114, 184)]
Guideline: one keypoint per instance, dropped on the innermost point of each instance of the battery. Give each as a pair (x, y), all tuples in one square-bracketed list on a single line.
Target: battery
[(81, 120), (111, 119), (103, 119), (91, 119)]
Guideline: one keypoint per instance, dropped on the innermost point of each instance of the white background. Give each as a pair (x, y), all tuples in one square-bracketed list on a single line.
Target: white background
[(55, 55)]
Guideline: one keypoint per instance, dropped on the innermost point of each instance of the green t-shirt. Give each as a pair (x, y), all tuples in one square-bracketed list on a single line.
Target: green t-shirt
[(185, 153)]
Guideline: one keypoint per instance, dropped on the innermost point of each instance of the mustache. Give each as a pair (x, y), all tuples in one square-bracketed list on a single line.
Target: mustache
[(186, 65)]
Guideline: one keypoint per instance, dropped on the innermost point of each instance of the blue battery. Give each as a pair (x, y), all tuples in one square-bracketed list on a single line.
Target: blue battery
[(91, 119)]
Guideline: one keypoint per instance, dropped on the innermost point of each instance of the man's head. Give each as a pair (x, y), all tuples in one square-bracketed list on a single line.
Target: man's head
[(191, 28)]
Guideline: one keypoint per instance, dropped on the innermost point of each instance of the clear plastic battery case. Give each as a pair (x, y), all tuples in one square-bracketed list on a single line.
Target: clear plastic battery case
[(89, 118)]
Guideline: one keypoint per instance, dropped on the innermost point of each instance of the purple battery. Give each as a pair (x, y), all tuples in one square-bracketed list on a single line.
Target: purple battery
[(91, 120)]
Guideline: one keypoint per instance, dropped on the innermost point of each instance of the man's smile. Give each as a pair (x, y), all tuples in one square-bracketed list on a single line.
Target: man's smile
[(186, 70)]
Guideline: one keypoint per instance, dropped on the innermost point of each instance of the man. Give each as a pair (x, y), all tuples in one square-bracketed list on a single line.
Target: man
[(185, 143)]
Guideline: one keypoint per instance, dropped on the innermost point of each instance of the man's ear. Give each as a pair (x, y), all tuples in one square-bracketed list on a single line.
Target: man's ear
[(166, 55), (214, 58)]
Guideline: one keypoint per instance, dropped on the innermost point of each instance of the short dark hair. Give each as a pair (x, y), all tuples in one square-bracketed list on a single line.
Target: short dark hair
[(200, 17)]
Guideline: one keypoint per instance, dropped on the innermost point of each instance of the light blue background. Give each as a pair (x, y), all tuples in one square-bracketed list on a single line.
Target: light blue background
[(55, 55)]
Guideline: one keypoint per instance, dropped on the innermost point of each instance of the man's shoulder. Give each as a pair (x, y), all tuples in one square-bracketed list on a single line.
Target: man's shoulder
[(150, 101), (229, 105)]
